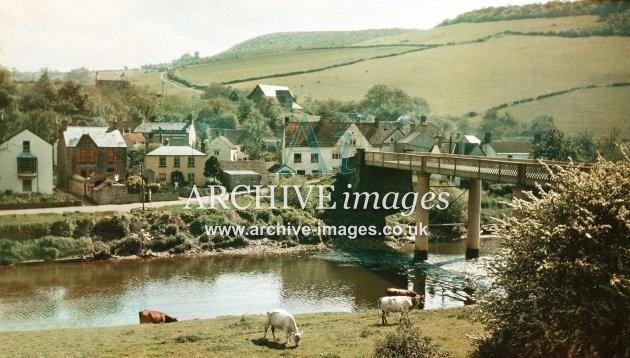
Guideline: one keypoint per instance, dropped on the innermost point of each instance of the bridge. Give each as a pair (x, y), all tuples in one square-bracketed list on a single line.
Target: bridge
[(523, 173)]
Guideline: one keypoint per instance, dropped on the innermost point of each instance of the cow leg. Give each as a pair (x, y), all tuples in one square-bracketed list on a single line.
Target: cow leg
[(383, 318), (273, 332), (266, 328)]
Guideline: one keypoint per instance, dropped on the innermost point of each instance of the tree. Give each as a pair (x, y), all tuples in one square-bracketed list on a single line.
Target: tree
[(7, 88), (563, 279), (554, 146), (389, 103), (212, 168), (499, 125), (81, 75)]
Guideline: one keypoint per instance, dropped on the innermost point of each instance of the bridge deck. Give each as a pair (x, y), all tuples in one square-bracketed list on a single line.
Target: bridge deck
[(502, 170)]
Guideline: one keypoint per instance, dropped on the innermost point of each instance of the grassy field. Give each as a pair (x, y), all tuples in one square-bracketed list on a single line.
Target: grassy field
[(474, 77), (471, 32), (325, 335), (594, 110), (153, 81), (265, 65)]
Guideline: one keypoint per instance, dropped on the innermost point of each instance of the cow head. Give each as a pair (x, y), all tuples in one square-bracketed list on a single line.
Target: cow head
[(169, 319), (297, 337)]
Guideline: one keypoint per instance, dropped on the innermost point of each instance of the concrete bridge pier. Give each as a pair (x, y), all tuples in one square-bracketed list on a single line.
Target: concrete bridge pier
[(474, 219), (421, 250)]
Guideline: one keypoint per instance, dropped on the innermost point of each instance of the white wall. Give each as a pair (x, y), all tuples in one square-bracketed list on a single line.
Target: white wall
[(11, 149), (225, 152)]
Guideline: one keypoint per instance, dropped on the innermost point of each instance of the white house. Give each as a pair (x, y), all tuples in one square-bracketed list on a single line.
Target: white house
[(27, 164), (323, 147), (223, 149)]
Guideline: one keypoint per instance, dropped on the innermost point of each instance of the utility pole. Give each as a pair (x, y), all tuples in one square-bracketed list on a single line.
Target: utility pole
[(142, 178)]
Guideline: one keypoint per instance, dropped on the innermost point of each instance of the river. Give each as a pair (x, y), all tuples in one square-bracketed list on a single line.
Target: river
[(98, 294)]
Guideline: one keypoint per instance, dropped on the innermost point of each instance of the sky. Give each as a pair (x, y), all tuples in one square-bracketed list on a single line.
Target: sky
[(66, 34)]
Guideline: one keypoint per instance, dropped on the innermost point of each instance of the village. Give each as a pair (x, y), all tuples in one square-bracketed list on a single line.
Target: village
[(95, 163)]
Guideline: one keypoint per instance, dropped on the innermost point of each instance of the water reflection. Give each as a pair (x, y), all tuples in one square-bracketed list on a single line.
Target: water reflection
[(111, 293)]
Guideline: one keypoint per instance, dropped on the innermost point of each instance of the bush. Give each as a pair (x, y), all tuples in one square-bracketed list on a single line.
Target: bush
[(62, 228), (130, 245), (171, 230), (83, 227), (112, 227), (154, 187), (562, 280), (134, 184), (407, 342)]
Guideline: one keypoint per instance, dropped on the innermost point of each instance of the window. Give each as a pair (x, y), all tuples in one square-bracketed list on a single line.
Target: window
[(111, 156), (216, 153), (354, 142), (162, 176), (336, 156), (27, 165), (87, 156), (314, 158), (162, 162), (297, 158), (176, 162), (191, 162), (191, 178), (26, 146), (301, 172), (27, 185)]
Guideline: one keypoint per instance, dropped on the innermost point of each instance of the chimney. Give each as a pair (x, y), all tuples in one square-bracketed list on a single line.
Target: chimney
[(488, 138)]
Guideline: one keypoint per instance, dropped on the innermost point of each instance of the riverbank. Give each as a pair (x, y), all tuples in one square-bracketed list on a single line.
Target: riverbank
[(324, 335)]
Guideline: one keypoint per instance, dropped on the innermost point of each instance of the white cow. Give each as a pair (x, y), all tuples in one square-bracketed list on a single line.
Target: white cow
[(389, 304), (282, 319)]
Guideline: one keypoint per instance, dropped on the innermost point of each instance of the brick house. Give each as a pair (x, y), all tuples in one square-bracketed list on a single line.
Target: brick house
[(178, 134), (88, 151)]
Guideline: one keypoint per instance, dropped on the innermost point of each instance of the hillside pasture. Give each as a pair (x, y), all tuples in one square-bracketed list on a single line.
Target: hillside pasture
[(153, 82), (477, 76), (465, 32), (267, 65), (594, 110)]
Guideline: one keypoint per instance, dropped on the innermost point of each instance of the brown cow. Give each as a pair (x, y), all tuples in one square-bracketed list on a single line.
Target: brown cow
[(400, 292), (148, 316)]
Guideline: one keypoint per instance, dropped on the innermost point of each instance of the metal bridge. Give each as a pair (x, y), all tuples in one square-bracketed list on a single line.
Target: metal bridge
[(521, 172)]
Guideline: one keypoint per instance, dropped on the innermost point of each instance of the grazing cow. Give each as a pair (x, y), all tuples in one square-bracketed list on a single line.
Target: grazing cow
[(401, 304), (284, 320), (400, 292), (148, 316)]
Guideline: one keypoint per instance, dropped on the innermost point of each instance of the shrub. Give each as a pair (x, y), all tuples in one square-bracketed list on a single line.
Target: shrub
[(62, 228), (562, 280), (83, 227), (130, 245), (407, 342), (171, 230), (112, 227), (154, 187), (134, 184), (9, 252)]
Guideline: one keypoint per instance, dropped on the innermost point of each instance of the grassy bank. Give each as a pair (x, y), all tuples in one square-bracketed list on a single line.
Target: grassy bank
[(325, 335)]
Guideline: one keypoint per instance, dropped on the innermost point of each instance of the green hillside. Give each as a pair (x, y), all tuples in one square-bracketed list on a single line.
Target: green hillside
[(295, 41), (458, 69)]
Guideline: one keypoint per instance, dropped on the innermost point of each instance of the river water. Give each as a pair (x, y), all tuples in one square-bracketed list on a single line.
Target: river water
[(97, 294)]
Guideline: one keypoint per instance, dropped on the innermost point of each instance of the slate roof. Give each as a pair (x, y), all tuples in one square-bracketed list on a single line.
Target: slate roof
[(103, 137), (371, 132), (227, 142), (257, 166), (325, 133), (164, 126), (182, 150), (511, 146)]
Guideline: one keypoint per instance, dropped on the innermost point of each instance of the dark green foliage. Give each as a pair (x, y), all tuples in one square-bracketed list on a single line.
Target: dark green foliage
[(549, 9), (563, 278), (407, 342), (171, 230), (130, 245), (212, 168), (9, 252), (554, 146), (500, 125), (62, 228), (388, 103), (83, 227), (112, 227), (220, 242)]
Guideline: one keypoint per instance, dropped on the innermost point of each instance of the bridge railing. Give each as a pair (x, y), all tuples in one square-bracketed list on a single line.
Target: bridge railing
[(514, 171)]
